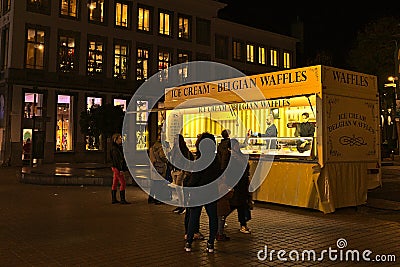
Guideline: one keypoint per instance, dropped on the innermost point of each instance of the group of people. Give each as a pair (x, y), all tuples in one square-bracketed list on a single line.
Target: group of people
[(180, 164)]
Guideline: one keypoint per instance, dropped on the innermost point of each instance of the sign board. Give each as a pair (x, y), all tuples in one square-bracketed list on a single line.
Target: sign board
[(352, 129)]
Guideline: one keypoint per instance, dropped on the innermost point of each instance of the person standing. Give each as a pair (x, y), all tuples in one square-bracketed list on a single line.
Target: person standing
[(178, 155), (201, 178), (118, 167), (304, 129), (158, 172), (270, 132), (242, 198), (223, 149)]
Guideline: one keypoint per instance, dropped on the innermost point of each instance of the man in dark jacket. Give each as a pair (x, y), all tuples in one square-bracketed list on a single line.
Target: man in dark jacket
[(198, 179)]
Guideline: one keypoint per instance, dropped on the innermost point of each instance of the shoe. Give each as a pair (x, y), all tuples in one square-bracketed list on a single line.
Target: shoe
[(210, 248), (223, 237), (245, 230), (181, 211), (198, 236), (188, 247), (176, 210)]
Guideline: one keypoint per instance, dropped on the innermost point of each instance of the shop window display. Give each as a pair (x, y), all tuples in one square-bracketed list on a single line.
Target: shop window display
[(33, 105), (64, 125), (93, 140)]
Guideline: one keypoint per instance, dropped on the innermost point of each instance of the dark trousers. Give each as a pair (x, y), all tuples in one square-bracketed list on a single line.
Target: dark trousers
[(244, 214), (194, 219)]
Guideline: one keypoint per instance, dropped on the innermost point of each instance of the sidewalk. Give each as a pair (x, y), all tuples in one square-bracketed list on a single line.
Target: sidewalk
[(385, 197), (53, 225)]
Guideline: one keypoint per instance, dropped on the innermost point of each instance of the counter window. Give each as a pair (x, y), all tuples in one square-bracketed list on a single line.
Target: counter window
[(277, 127)]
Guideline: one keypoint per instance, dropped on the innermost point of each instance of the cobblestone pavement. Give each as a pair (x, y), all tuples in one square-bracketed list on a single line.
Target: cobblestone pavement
[(49, 225)]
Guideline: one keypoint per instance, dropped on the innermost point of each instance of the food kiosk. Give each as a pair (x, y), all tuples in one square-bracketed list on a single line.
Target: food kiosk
[(338, 164)]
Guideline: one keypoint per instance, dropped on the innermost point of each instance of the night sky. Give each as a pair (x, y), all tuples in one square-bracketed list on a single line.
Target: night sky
[(331, 26)]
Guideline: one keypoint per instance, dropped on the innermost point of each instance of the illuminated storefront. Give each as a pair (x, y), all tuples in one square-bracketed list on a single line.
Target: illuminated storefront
[(340, 162)]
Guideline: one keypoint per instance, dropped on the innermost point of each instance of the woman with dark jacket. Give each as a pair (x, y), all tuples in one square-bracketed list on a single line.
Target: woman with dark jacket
[(242, 198), (197, 179), (118, 168)]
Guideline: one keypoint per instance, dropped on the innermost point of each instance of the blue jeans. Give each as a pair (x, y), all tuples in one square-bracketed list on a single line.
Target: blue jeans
[(194, 219)]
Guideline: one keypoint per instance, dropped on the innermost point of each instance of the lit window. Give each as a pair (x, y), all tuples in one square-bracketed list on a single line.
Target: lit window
[(121, 15), (164, 62), (120, 103), (274, 57), (250, 53), (35, 49), (120, 61), (165, 23), (286, 60), (65, 124), (183, 59), (69, 8), (93, 139), (261, 55), (96, 10), (142, 64), (142, 135), (66, 54), (143, 19), (184, 27), (237, 50), (33, 105), (93, 102), (95, 58)]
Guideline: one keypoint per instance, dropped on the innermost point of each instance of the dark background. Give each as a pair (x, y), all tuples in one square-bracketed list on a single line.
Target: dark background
[(328, 26)]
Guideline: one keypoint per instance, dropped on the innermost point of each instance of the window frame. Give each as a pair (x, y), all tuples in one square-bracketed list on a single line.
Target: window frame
[(77, 13), (286, 62), (163, 72), (103, 98), (251, 58), (126, 43), (199, 37), (190, 23), (76, 36), (151, 12), (264, 56), (170, 23), (73, 113), (274, 59), (96, 39), (225, 52), (238, 55), (148, 48), (105, 15), (179, 61), (128, 15), (45, 45)]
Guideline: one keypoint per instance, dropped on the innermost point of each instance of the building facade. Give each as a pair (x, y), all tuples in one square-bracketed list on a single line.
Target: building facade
[(60, 58)]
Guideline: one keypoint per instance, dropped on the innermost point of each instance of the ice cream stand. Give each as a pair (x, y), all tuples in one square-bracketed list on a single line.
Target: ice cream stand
[(343, 159)]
